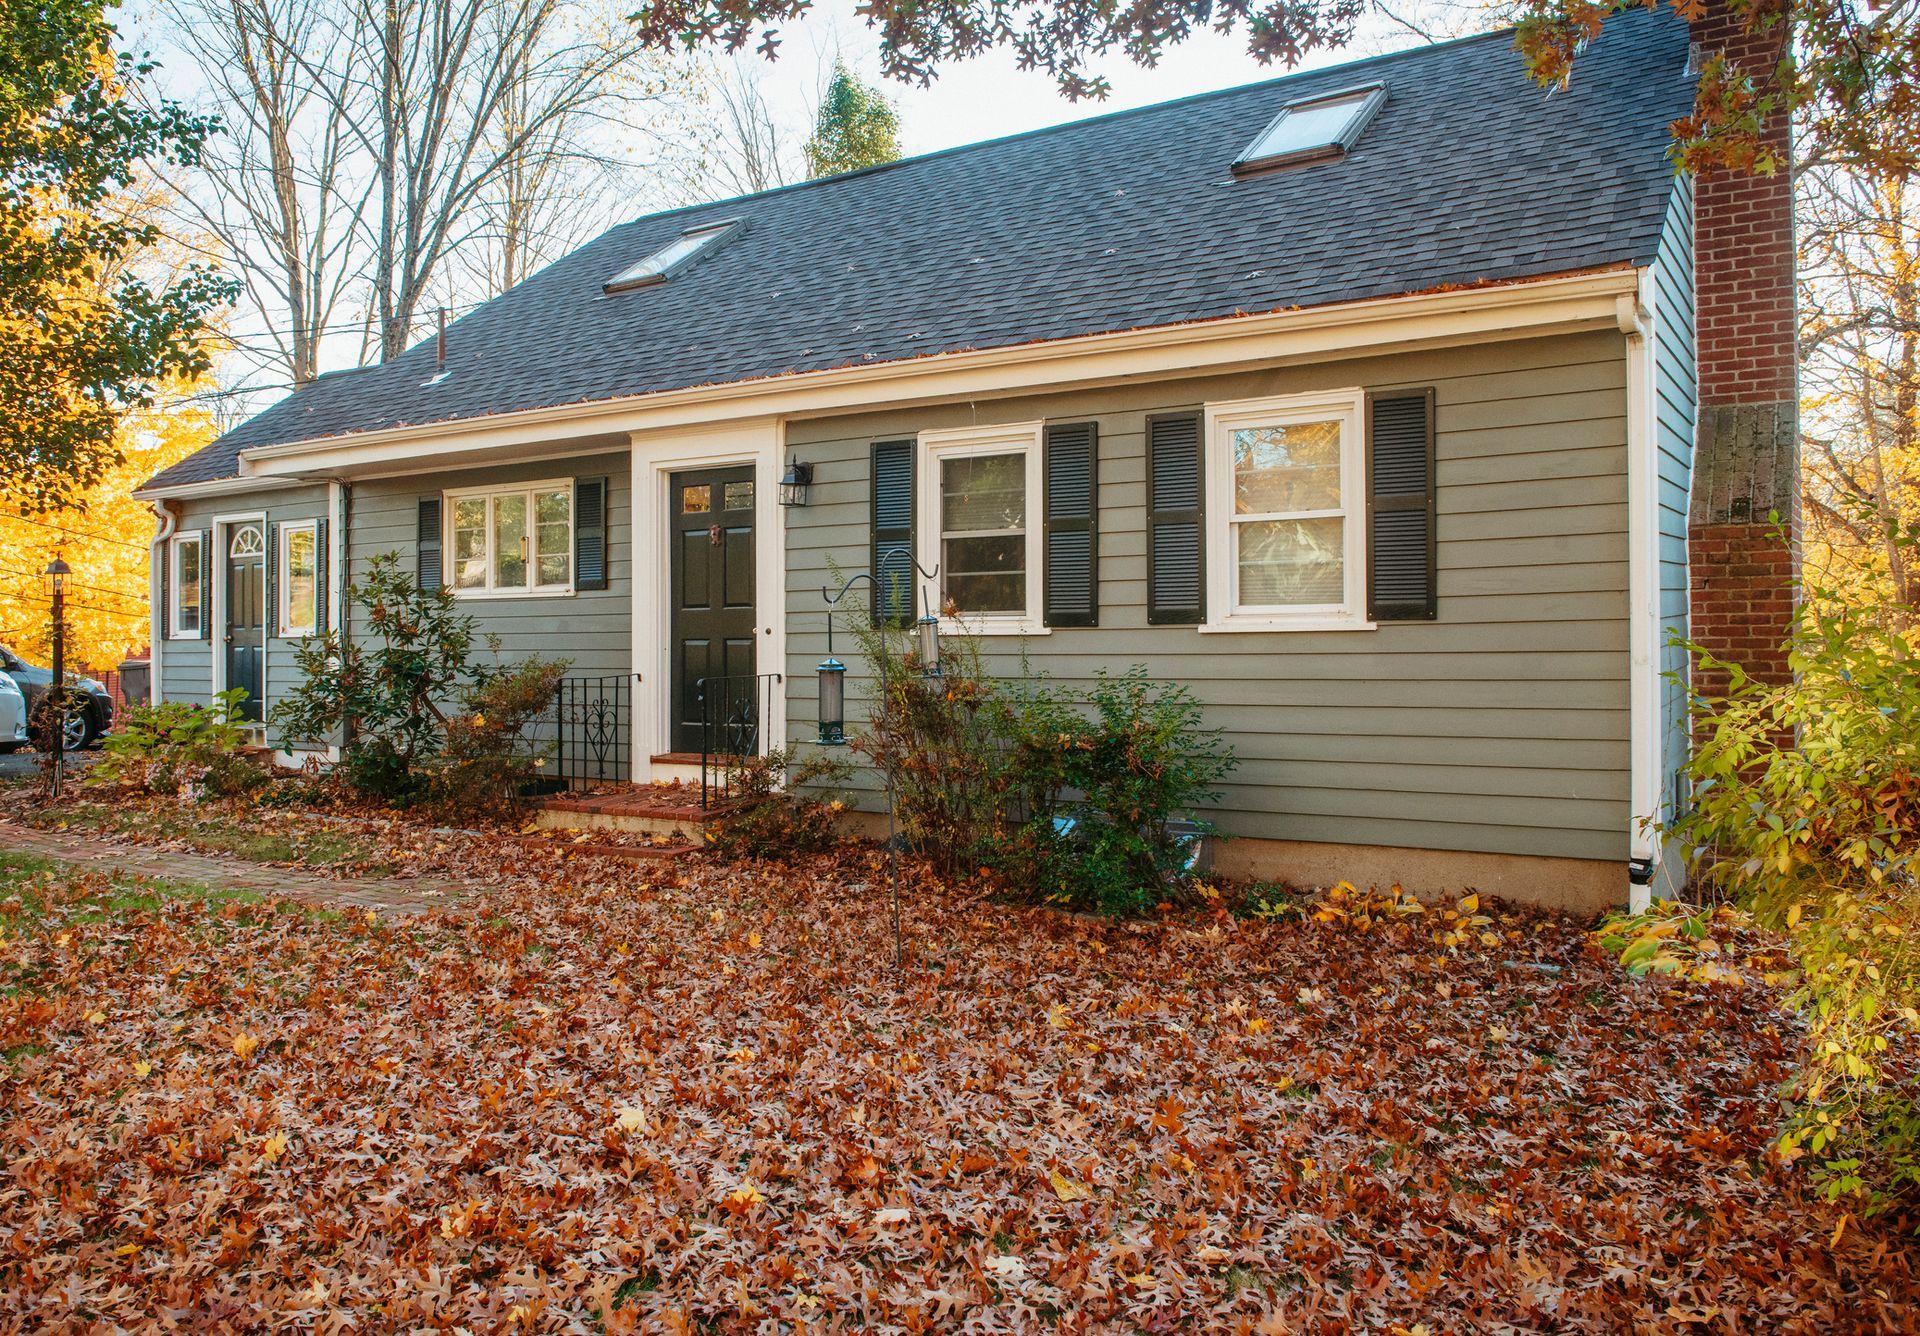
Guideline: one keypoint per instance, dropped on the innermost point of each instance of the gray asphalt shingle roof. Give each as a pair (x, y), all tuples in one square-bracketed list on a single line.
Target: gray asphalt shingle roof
[(1469, 173)]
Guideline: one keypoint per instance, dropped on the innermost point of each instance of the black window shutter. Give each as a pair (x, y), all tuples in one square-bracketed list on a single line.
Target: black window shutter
[(1401, 584), (320, 573), (1072, 537), (1176, 536), (590, 533), (206, 583), (428, 572), (893, 591), (272, 537)]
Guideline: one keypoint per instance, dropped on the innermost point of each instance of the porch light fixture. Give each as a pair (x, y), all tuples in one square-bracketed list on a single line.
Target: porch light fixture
[(928, 631), (794, 485), (833, 702)]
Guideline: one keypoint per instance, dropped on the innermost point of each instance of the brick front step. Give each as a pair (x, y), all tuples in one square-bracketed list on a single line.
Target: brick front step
[(668, 811)]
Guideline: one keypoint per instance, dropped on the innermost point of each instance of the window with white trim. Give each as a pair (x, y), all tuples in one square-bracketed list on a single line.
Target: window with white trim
[(510, 540), (1286, 541), (980, 526), (299, 578), (188, 597)]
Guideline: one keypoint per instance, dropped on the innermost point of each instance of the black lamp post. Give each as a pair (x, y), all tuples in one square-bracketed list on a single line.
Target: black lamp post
[(56, 698)]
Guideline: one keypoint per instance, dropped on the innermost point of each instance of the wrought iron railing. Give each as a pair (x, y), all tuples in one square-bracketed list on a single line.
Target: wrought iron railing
[(593, 730), (733, 714)]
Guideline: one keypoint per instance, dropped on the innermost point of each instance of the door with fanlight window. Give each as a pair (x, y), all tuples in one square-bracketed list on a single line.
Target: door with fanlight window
[(246, 630), (712, 617)]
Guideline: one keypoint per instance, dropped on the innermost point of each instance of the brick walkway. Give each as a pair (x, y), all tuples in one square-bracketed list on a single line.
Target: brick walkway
[(409, 895)]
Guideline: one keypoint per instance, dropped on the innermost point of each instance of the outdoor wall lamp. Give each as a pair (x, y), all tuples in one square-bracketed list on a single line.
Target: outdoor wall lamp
[(796, 481)]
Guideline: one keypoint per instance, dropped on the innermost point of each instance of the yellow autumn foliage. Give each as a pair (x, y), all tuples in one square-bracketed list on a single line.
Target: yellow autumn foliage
[(106, 542)]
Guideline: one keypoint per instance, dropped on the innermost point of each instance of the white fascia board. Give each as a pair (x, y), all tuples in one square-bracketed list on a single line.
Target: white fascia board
[(219, 487), (1521, 309)]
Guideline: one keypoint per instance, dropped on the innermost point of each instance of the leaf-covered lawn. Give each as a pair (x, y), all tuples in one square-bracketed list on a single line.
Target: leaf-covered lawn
[(709, 1102)]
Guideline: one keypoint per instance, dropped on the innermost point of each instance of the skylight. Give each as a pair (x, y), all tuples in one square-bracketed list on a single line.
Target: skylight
[(655, 267), (1314, 128)]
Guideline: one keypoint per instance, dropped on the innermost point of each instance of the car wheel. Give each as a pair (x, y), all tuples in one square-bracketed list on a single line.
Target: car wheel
[(78, 732)]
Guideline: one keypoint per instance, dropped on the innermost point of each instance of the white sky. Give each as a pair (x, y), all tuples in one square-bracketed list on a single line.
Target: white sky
[(970, 101), (991, 96)]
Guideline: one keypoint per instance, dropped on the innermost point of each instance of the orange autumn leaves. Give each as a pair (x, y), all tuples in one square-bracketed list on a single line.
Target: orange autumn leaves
[(705, 1100)]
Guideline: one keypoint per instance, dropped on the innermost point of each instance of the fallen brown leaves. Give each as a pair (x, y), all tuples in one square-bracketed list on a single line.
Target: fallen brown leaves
[(708, 1102)]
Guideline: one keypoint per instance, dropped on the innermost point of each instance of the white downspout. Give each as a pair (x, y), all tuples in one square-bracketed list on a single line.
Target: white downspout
[(1636, 321), (164, 521)]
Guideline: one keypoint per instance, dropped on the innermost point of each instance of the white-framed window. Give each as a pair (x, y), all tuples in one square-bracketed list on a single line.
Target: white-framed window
[(299, 578), (187, 616), (1286, 513), (980, 525), (510, 540)]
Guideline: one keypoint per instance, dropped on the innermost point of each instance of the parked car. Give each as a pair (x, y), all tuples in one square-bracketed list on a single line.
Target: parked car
[(95, 716), (13, 715)]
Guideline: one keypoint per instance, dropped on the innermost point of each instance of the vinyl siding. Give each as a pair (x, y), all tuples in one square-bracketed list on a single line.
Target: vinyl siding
[(1676, 392), (1500, 727), (187, 665), (592, 630)]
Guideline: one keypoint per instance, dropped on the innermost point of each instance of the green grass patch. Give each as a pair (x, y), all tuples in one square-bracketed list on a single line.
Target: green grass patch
[(236, 835)]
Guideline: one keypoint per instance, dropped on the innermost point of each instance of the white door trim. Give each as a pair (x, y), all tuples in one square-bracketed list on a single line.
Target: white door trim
[(655, 458), (216, 599)]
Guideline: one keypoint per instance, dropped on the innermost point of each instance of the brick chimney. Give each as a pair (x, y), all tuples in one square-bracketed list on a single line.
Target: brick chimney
[(1746, 456)]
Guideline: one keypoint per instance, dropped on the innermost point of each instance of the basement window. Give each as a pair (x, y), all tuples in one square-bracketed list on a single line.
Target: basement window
[(1314, 128), (656, 267)]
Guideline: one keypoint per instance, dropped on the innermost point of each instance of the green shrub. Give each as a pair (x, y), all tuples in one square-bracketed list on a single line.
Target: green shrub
[(172, 746), (387, 691), (1068, 794), (774, 810), (488, 755), (1805, 810), (1108, 772)]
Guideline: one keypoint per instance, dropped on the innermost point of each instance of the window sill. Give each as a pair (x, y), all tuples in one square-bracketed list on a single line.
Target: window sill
[(993, 627), (193, 639), (464, 594), (1268, 625)]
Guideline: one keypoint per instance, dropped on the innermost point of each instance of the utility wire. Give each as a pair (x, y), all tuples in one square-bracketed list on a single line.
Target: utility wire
[(75, 584), (77, 533)]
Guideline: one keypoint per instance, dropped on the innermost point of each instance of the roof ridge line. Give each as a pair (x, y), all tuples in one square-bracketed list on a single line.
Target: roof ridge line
[(1060, 126)]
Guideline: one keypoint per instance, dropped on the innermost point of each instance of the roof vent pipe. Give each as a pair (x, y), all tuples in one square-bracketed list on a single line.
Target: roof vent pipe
[(440, 344)]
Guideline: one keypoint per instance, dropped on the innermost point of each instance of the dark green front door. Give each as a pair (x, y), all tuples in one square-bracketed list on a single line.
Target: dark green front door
[(246, 615), (713, 615)]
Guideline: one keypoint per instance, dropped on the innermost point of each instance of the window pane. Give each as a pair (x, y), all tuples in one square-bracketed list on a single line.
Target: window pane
[(986, 574), (554, 541), (510, 541), (470, 543), (696, 500), (301, 589), (738, 496), (189, 554), (1285, 468), (983, 493), (1286, 562), (1312, 125)]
